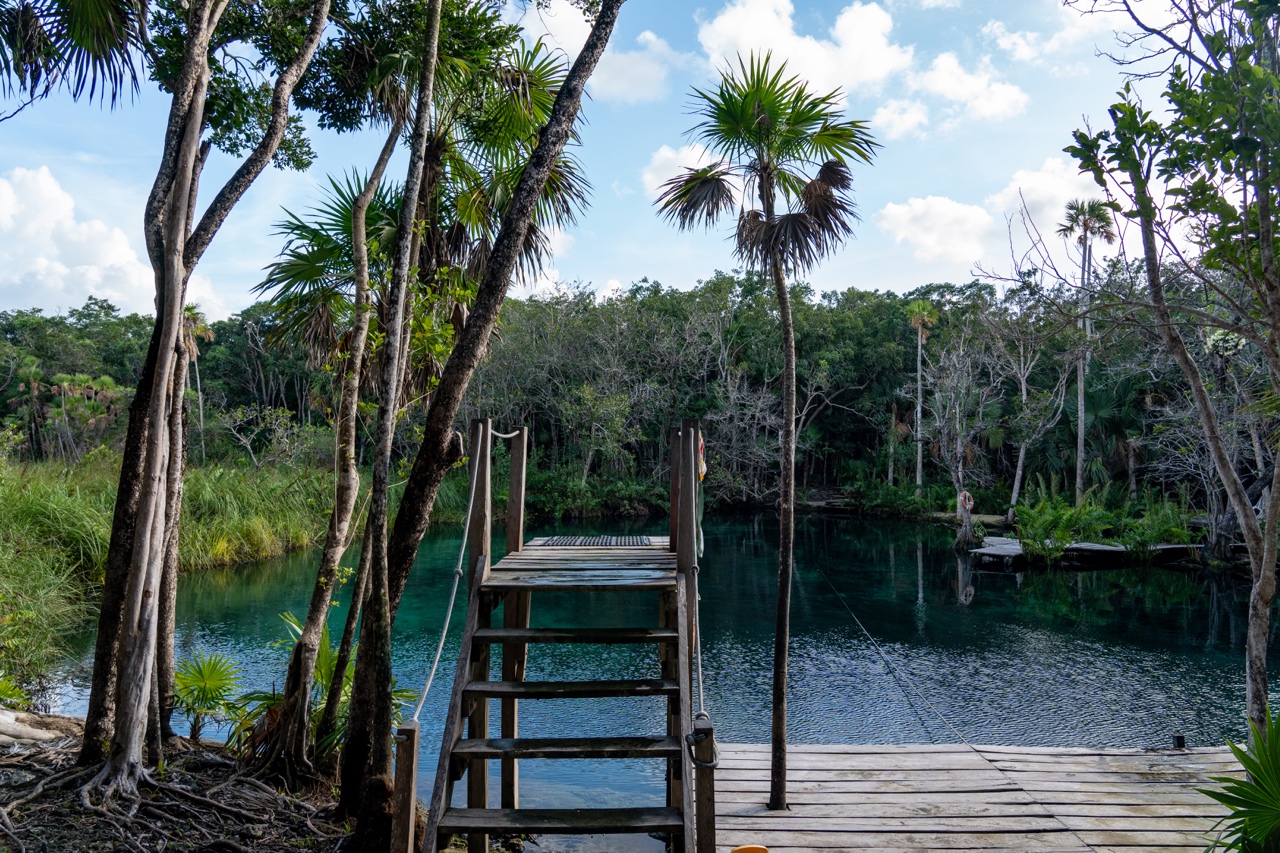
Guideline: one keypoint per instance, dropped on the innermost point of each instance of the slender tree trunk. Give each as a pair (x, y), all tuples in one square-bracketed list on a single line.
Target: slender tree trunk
[(1259, 540), (786, 519), (919, 411), (1080, 372), (333, 700), (165, 663), (99, 725), (367, 786), (195, 364), (288, 753), (1018, 474), (441, 445), (1080, 431)]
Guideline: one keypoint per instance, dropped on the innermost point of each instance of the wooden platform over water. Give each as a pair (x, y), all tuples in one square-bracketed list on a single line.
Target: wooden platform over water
[(894, 799), (1089, 555)]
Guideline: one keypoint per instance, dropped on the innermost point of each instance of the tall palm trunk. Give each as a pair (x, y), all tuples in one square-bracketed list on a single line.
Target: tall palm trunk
[(786, 518), (919, 411), (1080, 372), (288, 754)]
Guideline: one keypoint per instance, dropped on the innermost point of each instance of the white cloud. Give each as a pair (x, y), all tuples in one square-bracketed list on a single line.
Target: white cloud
[(635, 76), (667, 162), (939, 4), (978, 92), (1046, 191), (51, 259), (939, 228), (897, 118), (622, 76), (857, 53), (1072, 28)]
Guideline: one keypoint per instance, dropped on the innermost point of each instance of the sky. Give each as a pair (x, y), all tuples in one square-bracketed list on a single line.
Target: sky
[(972, 100)]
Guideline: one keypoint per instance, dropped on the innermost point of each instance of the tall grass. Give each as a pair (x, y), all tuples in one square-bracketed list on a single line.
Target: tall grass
[(55, 525)]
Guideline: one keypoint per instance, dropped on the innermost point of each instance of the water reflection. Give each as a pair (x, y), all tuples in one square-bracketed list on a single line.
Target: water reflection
[(1117, 658)]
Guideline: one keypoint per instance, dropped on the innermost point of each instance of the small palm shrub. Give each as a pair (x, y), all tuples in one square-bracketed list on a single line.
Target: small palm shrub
[(204, 689), (1254, 823)]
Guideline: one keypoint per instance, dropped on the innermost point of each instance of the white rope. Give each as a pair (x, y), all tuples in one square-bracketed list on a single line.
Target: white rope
[(453, 595), (506, 434)]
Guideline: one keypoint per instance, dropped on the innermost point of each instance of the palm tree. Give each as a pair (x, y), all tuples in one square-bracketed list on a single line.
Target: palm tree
[(923, 315), (82, 45), (777, 145), (1086, 218), (195, 328)]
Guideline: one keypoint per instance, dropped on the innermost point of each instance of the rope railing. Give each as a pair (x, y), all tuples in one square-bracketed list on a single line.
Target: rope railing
[(457, 579), (453, 595)]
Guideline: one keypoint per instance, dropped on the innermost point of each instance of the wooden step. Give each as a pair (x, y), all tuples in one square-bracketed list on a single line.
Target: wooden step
[(584, 579), (561, 821), (588, 747), (572, 689), (603, 636)]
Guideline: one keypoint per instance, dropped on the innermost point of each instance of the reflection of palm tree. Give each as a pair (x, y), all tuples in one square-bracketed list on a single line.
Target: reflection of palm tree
[(923, 315), (779, 142), (195, 328), (1085, 219)]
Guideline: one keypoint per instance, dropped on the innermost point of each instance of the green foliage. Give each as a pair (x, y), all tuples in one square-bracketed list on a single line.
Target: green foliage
[(203, 689), (1254, 823), (874, 497), (12, 695), (562, 493)]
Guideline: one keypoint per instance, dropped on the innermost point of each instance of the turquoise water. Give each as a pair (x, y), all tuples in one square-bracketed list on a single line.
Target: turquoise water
[(1120, 658)]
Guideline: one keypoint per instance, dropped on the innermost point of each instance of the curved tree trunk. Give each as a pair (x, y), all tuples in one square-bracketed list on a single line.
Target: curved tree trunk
[(441, 445), (287, 755)]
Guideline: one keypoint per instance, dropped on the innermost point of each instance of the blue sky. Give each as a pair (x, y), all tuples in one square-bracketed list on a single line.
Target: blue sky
[(973, 101)]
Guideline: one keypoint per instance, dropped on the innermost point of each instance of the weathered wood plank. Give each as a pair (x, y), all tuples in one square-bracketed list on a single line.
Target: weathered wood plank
[(584, 821), (578, 580), (771, 838), (573, 689)]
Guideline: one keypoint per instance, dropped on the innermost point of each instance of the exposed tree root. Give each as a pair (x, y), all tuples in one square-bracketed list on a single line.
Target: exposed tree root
[(202, 803)]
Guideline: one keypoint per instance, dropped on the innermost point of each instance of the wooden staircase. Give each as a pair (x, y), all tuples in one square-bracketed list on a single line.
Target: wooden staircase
[(658, 567)]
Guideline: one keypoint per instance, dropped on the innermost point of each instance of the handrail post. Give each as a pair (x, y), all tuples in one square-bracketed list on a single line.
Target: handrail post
[(515, 494), (704, 784), (479, 541), (686, 549), (673, 455), (405, 806)]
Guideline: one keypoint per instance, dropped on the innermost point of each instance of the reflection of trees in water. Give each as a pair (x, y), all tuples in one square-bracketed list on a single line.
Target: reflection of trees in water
[(964, 579)]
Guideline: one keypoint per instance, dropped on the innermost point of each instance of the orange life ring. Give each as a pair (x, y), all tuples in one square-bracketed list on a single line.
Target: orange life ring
[(966, 501)]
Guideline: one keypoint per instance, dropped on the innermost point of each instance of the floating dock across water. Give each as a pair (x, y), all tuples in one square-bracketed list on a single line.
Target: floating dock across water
[(1082, 555)]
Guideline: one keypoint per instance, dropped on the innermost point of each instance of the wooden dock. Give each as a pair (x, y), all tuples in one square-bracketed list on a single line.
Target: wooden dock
[(894, 799), (1084, 555)]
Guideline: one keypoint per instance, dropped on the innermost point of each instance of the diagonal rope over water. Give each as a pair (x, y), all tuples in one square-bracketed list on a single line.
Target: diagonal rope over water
[(898, 675)]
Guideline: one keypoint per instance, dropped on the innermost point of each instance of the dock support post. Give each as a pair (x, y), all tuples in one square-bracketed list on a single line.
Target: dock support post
[(704, 784), (405, 805), (673, 454), (515, 494), (687, 540), (481, 552)]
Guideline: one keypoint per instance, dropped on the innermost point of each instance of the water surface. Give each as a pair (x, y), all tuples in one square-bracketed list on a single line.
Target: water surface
[(1117, 658)]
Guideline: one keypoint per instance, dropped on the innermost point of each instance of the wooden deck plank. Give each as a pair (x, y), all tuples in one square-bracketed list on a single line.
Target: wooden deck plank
[(955, 797)]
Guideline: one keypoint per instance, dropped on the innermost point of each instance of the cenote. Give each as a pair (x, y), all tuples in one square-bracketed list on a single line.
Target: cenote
[(1117, 658)]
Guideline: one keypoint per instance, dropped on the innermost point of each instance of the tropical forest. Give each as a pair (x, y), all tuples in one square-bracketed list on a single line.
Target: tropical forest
[(364, 392)]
